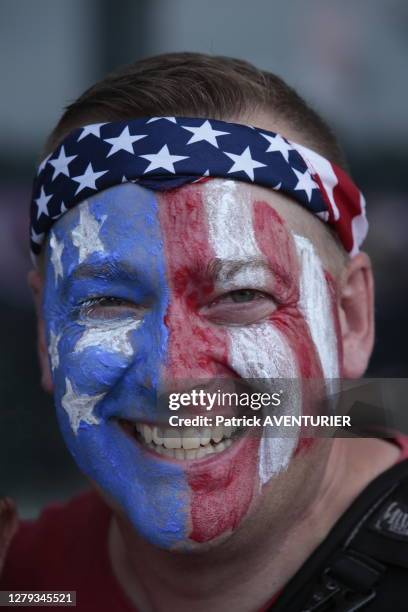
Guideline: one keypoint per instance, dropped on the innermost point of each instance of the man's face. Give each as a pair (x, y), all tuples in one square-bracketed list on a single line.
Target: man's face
[(145, 291)]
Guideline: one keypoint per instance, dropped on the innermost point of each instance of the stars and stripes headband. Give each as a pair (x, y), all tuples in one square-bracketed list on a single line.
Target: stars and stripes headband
[(163, 153)]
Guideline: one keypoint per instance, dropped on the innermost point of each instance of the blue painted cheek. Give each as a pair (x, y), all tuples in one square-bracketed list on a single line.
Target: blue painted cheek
[(153, 493)]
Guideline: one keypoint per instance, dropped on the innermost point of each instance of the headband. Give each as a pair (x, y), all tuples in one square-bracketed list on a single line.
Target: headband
[(162, 153)]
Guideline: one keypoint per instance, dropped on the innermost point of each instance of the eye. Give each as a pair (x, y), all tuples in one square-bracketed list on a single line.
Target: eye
[(243, 295), (109, 307), (239, 307)]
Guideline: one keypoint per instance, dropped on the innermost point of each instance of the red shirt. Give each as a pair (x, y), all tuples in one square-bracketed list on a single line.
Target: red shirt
[(65, 549)]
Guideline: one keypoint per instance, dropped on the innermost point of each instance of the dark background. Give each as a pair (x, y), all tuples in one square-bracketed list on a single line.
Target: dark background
[(348, 59)]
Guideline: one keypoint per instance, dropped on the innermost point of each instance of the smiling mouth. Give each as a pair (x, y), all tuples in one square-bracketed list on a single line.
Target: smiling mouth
[(183, 443)]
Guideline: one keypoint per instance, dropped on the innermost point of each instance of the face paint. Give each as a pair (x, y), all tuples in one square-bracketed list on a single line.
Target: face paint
[(109, 362), (316, 305), (85, 236), (143, 301), (56, 254)]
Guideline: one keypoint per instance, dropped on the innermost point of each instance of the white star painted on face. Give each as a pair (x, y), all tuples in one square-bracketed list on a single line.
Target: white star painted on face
[(123, 142), (204, 132), (37, 238), (53, 350), (279, 145), (305, 183), (244, 163), (171, 119), (162, 159), (108, 335), (61, 163), (79, 408), (43, 163), (86, 234), (42, 202), (88, 178), (94, 129), (56, 254)]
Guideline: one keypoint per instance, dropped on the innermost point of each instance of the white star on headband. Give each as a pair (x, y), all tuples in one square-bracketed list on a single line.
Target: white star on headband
[(305, 183), (88, 178), (43, 163), (42, 202), (61, 163), (244, 163), (278, 144), (123, 142), (37, 238), (94, 129), (204, 132), (162, 159), (171, 119)]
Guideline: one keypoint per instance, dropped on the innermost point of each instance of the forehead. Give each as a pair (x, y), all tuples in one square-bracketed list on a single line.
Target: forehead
[(126, 206), (217, 229)]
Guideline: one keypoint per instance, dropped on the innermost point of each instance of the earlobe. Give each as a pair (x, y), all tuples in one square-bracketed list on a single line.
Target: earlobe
[(36, 282), (356, 302)]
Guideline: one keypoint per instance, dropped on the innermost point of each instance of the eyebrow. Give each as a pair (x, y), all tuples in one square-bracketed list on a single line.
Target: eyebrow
[(105, 269), (218, 269)]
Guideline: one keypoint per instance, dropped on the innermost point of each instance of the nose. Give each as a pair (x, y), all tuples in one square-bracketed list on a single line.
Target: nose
[(196, 348)]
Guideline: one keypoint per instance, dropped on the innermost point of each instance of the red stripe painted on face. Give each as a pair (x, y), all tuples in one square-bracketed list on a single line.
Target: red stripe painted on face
[(278, 247), (221, 487), (195, 349), (223, 491)]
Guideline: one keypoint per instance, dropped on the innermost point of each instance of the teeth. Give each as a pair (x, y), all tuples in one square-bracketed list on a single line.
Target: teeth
[(190, 439), (147, 433), (171, 439), (205, 436), (187, 442), (217, 434), (157, 438)]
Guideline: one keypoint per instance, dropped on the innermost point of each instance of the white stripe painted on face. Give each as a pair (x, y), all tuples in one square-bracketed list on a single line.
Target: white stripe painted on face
[(316, 306), (257, 351), (229, 214)]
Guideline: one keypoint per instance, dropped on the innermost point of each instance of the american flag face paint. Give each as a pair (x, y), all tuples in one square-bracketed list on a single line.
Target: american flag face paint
[(140, 293)]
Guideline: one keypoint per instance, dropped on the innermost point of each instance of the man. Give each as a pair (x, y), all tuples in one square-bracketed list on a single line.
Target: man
[(175, 245)]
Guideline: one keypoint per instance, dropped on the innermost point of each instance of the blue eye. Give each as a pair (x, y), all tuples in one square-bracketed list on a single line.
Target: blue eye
[(243, 295)]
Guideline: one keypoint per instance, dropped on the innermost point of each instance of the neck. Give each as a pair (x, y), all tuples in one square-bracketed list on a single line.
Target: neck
[(249, 568)]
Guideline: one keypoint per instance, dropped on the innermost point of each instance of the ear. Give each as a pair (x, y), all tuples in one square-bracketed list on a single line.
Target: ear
[(356, 302), (36, 283)]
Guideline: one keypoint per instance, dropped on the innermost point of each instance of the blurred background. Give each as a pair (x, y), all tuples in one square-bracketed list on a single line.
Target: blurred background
[(348, 59)]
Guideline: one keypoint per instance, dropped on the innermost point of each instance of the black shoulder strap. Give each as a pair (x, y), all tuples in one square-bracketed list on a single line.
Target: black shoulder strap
[(365, 553)]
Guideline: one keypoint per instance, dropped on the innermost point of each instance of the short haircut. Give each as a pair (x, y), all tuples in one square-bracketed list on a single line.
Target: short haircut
[(196, 85)]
